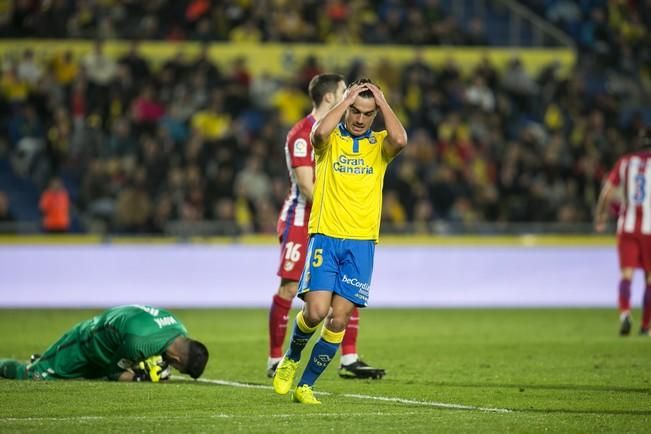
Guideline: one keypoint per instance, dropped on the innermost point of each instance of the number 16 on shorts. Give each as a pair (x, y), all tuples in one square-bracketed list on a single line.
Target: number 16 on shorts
[(292, 252), (293, 255)]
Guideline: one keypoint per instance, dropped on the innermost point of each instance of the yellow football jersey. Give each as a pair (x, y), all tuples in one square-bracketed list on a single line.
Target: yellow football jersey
[(347, 200)]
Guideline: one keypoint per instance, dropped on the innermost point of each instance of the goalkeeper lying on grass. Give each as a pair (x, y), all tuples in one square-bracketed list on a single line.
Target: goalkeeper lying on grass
[(126, 343)]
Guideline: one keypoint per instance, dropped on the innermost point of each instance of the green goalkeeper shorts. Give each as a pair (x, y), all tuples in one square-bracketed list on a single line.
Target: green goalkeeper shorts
[(63, 360)]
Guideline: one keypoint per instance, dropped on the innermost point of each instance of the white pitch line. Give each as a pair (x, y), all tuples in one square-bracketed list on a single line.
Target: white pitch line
[(428, 403), (317, 415), (184, 417), (367, 397)]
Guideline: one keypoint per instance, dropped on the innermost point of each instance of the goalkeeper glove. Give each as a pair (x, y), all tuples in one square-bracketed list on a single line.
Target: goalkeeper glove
[(153, 369)]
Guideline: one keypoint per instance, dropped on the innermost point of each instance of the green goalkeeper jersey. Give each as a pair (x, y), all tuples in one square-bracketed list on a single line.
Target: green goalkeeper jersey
[(122, 336)]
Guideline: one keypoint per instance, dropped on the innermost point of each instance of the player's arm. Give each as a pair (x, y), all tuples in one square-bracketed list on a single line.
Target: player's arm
[(305, 180), (396, 134), (153, 369), (126, 376), (601, 209), (323, 127), (146, 350)]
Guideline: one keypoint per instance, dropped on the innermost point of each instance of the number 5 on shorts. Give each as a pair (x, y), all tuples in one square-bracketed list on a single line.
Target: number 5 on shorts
[(317, 258)]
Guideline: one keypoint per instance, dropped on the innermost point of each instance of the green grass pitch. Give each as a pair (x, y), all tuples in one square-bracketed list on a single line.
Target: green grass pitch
[(558, 370)]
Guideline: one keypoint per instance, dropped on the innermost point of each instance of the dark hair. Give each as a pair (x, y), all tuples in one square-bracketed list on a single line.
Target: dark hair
[(322, 84), (363, 80), (197, 359)]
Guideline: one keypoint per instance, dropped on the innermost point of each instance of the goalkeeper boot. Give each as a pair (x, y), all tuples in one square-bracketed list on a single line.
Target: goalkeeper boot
[(625, 325), (284, 375), (13, 369), (304, 395), (360, 369)]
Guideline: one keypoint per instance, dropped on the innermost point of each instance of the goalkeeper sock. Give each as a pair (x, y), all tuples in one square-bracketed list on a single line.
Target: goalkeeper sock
[(349, 344), (300, 337), (13, 369), (278, 317), (322, 353)]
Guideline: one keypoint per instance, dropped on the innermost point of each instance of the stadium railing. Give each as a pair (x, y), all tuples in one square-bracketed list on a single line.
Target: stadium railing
[(283, 60)]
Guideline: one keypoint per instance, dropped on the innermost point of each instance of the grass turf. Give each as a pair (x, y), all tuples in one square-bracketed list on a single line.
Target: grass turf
[(555, 370)]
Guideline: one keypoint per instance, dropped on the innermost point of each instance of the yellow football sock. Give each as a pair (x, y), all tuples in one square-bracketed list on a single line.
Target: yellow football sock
[(332, 337), (302, 325)]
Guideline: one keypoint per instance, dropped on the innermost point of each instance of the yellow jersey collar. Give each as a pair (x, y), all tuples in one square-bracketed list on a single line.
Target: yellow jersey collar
[(344, 132)]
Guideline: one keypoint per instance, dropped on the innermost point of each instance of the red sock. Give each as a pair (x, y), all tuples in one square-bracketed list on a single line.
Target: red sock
[(278, 317), (646, 307), (624, 295), (349, 344)]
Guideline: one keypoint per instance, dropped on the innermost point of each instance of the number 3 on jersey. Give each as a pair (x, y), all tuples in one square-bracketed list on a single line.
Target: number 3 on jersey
[(317, 258), (640, 189)]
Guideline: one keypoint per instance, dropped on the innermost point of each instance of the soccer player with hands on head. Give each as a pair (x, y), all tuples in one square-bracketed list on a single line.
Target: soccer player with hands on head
[(632, 175), (124, 343), (344, 226), (325, 90)]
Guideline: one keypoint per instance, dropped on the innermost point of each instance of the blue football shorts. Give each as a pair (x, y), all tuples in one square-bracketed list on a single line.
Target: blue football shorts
[(338, 265)]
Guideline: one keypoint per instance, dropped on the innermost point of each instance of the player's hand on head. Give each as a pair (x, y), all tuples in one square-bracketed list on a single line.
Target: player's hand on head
[(377, 93), (352, 92)]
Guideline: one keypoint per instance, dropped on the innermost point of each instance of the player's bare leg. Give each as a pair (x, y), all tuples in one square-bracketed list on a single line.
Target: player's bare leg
[(278, 319), (317, 306), (625, 321)]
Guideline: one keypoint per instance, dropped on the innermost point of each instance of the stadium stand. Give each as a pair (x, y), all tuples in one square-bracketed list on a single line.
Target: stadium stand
[(172, 143)]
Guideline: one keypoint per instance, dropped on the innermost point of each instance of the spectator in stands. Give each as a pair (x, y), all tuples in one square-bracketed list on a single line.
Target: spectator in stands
[(292, 102), (480, 95), (6, 215), (475, 34), (252, 182), (212, 123), (133, 206), (27, 135), (136, 63), (99, 67), (55, 207), (146, 110), (247, 32), (28, 68), (97, 199), (14, 89)]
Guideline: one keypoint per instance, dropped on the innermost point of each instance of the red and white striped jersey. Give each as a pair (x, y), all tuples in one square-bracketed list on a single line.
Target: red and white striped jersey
[(632, 173), (298, 152)]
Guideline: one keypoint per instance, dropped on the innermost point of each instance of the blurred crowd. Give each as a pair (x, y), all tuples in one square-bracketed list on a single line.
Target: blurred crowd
[(129, 148), (314, 21), (615, 33)]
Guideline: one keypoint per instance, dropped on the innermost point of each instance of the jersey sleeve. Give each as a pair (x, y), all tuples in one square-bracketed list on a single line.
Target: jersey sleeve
[(322, 152), (614, 176), (300, 148), (381, 137)]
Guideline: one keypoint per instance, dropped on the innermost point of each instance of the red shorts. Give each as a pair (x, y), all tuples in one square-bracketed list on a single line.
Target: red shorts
[(293, 248), (634, 251)]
